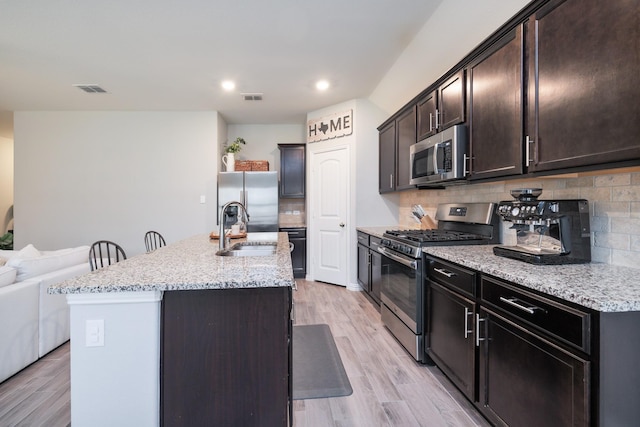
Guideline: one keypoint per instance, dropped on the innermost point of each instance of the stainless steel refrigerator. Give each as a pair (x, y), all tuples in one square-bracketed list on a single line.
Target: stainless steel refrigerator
[(258, 191)]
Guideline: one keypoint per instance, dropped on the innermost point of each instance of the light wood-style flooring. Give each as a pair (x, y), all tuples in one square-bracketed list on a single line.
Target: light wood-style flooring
[(389, 387)]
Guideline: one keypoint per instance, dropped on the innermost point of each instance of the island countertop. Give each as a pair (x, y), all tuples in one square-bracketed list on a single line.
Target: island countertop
[(188, 265)]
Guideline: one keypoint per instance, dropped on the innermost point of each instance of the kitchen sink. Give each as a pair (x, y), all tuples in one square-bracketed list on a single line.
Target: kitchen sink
[(250, 248)]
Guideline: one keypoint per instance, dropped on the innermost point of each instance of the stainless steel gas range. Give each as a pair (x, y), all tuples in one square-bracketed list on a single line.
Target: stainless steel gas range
[(403, 284)]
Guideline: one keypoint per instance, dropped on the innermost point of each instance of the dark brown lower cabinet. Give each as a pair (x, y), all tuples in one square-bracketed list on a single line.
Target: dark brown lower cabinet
[(525, 380), (226, 357), (451, 339)]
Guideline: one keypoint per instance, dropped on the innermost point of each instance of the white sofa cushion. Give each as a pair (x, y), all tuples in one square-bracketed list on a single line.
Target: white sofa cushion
[(54, 311), (7, 275), (47, 262), (18, 327)]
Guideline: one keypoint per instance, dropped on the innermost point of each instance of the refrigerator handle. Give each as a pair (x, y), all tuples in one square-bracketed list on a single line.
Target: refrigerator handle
[(243, 200)]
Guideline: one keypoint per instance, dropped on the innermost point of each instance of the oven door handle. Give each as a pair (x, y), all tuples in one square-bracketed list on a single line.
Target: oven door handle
[(411, 263)]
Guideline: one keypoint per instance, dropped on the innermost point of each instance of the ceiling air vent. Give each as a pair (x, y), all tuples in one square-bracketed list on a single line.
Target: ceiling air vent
[(252, 96), (91, 88)]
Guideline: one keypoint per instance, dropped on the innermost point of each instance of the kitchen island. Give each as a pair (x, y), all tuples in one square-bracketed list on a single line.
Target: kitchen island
[(185, 330)]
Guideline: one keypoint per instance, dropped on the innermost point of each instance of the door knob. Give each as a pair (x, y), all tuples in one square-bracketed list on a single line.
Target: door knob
[(342, 225)]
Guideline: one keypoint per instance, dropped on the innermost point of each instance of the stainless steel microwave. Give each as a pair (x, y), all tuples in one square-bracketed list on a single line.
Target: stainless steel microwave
[(439, 158)]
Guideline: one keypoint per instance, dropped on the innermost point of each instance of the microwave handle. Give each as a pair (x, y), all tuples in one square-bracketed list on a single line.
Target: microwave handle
[(435, 158)]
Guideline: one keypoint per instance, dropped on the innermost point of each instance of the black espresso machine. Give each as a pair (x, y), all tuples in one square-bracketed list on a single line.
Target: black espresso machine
[(548, 231)]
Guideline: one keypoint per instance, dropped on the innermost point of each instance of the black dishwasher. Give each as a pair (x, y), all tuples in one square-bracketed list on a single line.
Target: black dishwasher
[(298, 236)]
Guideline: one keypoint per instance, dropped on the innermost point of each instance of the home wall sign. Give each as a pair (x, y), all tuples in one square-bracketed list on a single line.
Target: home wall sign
[(328, 127)]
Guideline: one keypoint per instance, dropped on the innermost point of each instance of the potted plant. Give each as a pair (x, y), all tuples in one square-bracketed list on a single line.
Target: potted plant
[(235, 146), (229, 159)]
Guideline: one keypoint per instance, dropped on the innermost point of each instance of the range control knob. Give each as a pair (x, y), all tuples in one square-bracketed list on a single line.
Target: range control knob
[(515, 211), (554, 207)]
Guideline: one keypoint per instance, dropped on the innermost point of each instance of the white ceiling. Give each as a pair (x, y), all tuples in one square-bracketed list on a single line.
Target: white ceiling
[(172, 54)]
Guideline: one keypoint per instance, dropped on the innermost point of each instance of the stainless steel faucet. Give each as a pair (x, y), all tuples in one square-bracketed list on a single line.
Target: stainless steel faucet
[(221, 234)]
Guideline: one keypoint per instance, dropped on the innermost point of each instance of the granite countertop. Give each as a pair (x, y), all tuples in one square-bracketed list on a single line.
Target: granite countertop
[(188, 265), (602, 287), (377, 231)]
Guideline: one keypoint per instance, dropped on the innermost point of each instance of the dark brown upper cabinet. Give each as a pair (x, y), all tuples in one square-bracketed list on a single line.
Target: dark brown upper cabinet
[(395, 139), (583, 61), (292, 171), (495, 103), (442, 107)]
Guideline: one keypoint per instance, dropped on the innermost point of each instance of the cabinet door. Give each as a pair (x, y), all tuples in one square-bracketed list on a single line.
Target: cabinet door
[(451, 101), (387, 158), (292, 170), (527, 381), (427, 111), (450, 341), (496, 109), (584, 107), (225, 357), (363, 267), (406, 137), (375, 284)]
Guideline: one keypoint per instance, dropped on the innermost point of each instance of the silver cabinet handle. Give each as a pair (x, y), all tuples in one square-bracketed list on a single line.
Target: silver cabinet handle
[(291, 246), (478, 339), (514, 303), (444, 272), (430, 122), (467, 331), (437, 123), (391, 181), (527, 145)]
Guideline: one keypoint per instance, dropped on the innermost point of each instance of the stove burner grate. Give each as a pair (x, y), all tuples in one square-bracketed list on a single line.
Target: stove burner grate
[(425, 236)]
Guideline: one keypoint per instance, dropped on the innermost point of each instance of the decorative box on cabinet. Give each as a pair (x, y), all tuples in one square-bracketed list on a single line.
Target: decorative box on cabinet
[(292, 170)]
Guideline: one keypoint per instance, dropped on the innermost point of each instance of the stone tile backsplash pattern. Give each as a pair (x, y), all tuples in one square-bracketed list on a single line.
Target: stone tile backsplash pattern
[(614, 204)]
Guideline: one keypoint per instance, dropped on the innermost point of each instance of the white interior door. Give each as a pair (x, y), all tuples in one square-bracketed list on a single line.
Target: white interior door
[(329, 211)]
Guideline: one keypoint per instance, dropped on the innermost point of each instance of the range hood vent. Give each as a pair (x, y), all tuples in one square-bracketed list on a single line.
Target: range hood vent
[(252, 96), (90, 88)]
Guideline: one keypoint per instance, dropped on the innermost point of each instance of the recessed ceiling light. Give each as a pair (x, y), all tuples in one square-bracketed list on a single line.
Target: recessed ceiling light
[(228, 85), (322, 85)]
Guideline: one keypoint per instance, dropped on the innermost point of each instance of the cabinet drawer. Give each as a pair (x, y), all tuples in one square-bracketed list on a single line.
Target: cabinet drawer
[(363, 238), (455, 277), (295, 233), (374, 242), (570, 325)]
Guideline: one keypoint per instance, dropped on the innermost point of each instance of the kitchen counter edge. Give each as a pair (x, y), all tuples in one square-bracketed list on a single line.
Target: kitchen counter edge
[(190, 264)]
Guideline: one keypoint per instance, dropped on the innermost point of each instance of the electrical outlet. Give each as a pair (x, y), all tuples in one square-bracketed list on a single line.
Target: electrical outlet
[(94, 330)]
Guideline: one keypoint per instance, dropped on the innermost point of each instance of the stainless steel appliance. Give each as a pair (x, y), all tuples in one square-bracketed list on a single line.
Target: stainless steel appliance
[(548, 231), (439, 158), (403, 278), (258, 191)]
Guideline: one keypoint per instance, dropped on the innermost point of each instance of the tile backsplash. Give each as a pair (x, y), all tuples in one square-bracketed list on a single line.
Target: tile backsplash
[(614, 205)]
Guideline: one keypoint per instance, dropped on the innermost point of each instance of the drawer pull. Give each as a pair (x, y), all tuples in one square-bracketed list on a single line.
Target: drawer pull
[(478, 338), (531, 309), (467, 331), (444, 272)]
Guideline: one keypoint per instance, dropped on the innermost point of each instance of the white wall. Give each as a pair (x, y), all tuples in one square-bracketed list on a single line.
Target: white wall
[(262, 141), (85, 176), (452, 32), (6, 183), (367, 207)]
